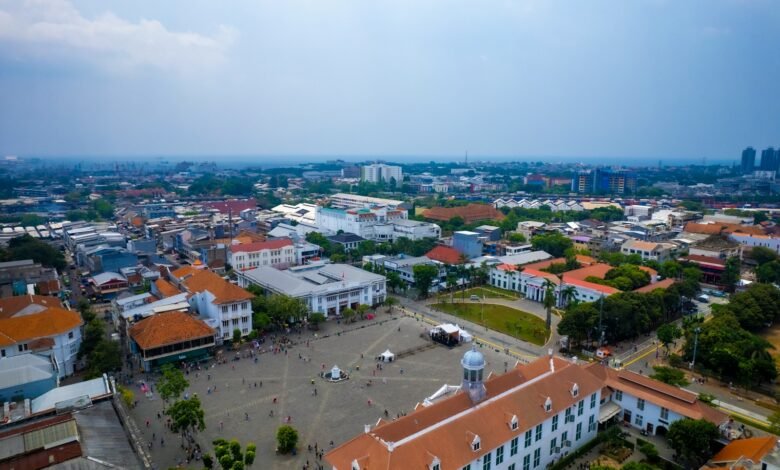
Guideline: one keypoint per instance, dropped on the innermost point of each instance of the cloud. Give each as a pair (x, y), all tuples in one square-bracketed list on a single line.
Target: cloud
[(56, 30)]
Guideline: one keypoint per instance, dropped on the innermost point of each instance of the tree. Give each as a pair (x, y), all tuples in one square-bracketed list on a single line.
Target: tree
[(348, 315), (390, 302), (693, 440), (105, 358), (315, 319), (762, 255), (549, 301), (424, 275), (27, 247), (670, 269), (669, 376), (731, 274), (578, 321), (554, 243), (236, 337), (93, 334), (516, 237), (172, 383), (452, 281), (769, 272), (668, 333), (774, 422), (568, 295), (393, 281), (286, 438), (186, 416)]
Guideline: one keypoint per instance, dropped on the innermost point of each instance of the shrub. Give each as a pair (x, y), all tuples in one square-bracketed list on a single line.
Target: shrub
[(226, 461), (249, 458), (286, 438), (675, 360), (208, 461), (251, 447)]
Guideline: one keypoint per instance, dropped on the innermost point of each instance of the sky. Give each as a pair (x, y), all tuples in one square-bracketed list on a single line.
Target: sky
[(619, 79)]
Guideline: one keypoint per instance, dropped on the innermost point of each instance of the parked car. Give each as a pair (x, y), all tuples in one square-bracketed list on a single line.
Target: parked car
[(704, 298)]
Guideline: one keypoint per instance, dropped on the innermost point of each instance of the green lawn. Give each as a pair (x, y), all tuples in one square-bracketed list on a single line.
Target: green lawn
[(516, 323), (486, 292)]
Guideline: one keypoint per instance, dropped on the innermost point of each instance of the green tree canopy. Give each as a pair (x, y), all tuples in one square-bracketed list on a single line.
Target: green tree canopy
[(424, 276), (554, 243), (172, 383), (286, 438), (693, 440), (187, 415)]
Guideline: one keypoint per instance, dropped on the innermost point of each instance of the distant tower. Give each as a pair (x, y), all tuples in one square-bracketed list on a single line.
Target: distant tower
[(466, 161), (748, 160), (473, 363)]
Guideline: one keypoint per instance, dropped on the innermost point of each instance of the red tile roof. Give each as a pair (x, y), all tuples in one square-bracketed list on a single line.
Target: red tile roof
[(223, 291), (49, 322), (165, 288), (469, 213), (753, 449), (259, 246), (10, 306), (665, 284), (445, 254), (168, 328)]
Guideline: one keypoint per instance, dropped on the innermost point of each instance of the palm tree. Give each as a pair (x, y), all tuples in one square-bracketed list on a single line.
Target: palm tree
[(549, 300), (568, 294), (452, 281)]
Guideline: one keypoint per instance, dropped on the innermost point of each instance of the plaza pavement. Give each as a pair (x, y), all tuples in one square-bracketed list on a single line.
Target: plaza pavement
[(338, 411)]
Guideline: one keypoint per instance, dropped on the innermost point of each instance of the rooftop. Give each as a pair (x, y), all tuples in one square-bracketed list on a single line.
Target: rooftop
[(23, 304), (260, 246), (168, 328), (308, 279), (165, 288), (223, 291), (51, 321), (470, 213), (753, 449), (445, 254)]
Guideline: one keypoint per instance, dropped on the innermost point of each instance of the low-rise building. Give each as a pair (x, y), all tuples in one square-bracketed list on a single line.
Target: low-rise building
[(26, 376), (37, 324), (716, 246), (649, 251), (324, 288), (217, 299), (170, 337), (16, 277), (279, 253)]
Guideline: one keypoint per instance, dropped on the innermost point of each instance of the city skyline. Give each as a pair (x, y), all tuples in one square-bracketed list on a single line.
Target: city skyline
[(643, 81)]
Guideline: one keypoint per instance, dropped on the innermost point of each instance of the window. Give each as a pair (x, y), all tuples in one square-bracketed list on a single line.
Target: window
[(235, 322), (580, 407), (564, 438), (2, 352), (640, 404), (513, 446), (436, 465), (548, 405), (664, 414), (592, 401), (575, 390), (245, 319), (538, 432), (537, 457), (475, 444), (528, 438), (638, 420), (553, 445), (618, 395), (578, 434), (224, 309), (592, 423), (467, 467), (569, 417), (555, 423), (225, 323), (499, 455), (527, 462), (511, 467), (486, 461), (70, 335), (234, 308), (23, 347)]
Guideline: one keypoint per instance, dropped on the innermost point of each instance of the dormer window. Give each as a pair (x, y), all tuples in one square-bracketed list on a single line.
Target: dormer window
[(548, 405), (575, 390), (435, 464), (355, 465), (475, 444), (513, 423)]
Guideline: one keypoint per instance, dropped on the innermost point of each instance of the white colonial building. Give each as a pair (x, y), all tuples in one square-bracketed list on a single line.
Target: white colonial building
[(525, 419), (376, 222), (325, 288), (279, 253)]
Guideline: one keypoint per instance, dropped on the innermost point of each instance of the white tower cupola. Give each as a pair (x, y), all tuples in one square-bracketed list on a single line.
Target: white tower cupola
[(473, 364)]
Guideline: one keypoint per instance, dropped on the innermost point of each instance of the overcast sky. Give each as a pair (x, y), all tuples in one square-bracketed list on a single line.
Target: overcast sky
[(636, 79)]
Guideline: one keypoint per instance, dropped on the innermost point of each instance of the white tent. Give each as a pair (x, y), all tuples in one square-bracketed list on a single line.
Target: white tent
[(386, 356)]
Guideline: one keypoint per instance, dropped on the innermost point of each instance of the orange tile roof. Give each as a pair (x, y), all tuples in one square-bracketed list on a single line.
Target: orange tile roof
[(723, 227), (168, 328), (445, 254), (470, 213), (259, 246), (754, 449), (223, 291), (608, 290), (668, 396), (184, 271), (665, 284), (49, 322), (544, 264), (446, 428), (598, 270), (10, 306), (165, 288)]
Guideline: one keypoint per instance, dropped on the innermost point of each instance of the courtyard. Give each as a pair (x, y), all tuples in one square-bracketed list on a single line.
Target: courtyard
[(501, 318), (242, 395)]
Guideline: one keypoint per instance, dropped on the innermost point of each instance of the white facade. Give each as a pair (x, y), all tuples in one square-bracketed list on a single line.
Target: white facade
[(649, 251), (773, 243), (377, 223), (254, 255), (64, 351), (325, 288), (355, 201), (379, 172), (226, 316)]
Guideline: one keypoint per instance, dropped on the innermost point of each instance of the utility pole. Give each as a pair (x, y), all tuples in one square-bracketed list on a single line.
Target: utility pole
[(695, 345)]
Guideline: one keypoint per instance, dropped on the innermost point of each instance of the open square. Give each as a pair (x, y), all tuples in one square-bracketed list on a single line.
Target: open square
[(245, 389)]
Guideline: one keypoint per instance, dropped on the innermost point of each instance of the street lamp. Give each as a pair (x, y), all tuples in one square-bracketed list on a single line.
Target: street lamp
[(696, 332)]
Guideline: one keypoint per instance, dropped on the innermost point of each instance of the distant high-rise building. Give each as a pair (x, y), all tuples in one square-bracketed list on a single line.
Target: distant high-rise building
[(379, 172), (748, 160), (769, 159), (604, 180)]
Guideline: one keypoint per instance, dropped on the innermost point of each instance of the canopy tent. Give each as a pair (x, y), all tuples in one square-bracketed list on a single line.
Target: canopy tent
[(386, 356)]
